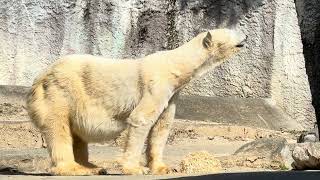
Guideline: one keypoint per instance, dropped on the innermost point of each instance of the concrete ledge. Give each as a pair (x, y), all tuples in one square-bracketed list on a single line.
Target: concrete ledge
[(262, 113), (13, 93), (12, 103)]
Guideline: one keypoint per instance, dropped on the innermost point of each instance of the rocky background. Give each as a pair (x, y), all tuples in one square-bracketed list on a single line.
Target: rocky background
[(278, 63), (309, 22)]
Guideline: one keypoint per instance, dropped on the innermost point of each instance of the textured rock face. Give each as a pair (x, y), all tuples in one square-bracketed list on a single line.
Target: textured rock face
[(309, 21), (248, 74), (34, 33), (289, 82)]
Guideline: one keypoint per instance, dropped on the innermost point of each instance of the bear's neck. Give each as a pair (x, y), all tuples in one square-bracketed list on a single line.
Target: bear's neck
[(190, 61)]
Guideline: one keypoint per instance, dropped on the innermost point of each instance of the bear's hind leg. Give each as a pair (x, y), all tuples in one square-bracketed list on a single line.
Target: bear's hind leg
[(80, 151), (60, 146)]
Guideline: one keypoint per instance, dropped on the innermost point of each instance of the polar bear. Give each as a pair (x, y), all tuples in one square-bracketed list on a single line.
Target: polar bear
[(84, 98)]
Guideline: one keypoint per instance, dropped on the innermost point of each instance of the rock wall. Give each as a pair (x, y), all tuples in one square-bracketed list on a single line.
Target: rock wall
[(309, 22), (289, 82), (34, 33)]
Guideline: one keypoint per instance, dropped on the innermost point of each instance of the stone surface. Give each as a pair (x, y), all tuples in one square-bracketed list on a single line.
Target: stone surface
[(289, 82), (35, 33), (309, 22), (309, 136), (264, 146), (265, 152), (306, 156), (13, 94), (254, 112)]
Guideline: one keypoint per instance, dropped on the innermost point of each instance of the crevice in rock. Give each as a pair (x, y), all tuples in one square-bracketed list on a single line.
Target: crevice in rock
[(309, 22)]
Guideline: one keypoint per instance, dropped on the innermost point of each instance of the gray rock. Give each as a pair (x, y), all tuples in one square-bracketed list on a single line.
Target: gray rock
[(273, 151), (310, 136), (306, 156), (266, 146)]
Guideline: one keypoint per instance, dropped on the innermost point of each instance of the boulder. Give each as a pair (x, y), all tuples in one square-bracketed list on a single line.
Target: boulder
[(306, 156), (269, 153)]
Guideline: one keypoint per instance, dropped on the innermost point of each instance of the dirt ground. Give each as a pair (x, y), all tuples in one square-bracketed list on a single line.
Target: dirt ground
[(194, 147), (212, 144)]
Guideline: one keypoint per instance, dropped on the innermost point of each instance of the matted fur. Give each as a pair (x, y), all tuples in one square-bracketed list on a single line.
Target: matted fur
[(84, 98)]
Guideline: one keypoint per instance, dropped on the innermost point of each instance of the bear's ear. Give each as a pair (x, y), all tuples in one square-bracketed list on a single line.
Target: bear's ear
[(207, 41)]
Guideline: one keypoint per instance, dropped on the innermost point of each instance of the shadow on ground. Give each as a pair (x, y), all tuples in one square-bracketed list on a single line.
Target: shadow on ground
[(15, 171), (283, 175)]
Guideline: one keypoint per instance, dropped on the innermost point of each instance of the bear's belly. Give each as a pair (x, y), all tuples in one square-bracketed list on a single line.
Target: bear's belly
[(99, 130)]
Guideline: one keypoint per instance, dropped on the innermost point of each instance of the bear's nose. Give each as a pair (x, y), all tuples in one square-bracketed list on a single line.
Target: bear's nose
[(242, 43)]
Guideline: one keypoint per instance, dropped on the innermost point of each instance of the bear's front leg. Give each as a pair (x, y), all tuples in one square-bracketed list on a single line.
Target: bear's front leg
[(134, 145), (140, 122), (157, 141)]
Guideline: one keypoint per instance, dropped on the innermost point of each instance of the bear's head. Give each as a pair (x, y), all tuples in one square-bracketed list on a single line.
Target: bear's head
[(222, 43)]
